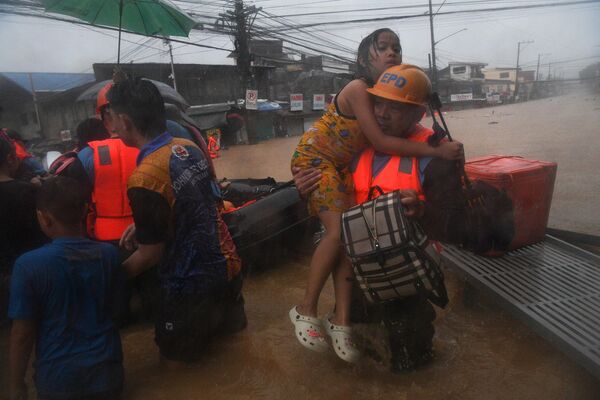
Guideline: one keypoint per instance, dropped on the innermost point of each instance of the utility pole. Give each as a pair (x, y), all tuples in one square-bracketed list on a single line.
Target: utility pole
[(537, 70), (168, 43), (240, 20), (430, 70), (549, 64), (517, 69), (35, 104), (434, 68)]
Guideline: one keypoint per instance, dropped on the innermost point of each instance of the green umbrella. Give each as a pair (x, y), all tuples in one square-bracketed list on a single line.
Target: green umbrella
[(146, 17)]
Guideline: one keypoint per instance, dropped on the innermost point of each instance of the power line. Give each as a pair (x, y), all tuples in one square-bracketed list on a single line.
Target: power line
[(107, 28), (411, 16)]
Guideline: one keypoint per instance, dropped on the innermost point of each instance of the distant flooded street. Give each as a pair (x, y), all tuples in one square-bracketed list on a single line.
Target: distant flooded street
[(481, 353)]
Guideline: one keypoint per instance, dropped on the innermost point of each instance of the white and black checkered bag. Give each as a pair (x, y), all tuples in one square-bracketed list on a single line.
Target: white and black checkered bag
[(390, 253)]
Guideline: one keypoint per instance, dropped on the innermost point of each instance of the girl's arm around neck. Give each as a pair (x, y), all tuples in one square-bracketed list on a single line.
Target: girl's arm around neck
[(356, 97)]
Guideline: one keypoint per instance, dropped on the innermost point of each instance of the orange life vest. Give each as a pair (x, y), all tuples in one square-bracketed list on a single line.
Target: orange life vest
[(21, 151), (213, 147), (398, 173), (114, 163)]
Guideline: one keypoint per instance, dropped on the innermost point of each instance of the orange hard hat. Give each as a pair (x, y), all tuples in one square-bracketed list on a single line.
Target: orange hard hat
[(404, 83), (102, 100)]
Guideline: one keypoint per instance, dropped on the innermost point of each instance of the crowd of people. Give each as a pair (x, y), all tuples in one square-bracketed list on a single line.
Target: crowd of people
[(138, 197), (131, 199)]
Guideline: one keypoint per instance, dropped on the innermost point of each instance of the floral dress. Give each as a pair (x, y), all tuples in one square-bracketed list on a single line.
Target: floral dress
[(330, 145)]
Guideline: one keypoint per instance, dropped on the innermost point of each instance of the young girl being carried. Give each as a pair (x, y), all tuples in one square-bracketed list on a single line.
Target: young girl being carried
[(347, 127)]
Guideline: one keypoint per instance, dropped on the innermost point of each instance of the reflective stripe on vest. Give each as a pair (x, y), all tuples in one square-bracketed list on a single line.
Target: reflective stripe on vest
[(113, 165), (398, 173)]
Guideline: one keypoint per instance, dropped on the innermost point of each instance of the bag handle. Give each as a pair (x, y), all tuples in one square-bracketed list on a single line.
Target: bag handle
[(372, 190)]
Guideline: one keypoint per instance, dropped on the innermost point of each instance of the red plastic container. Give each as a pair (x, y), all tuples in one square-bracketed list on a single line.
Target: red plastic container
[(529, 183)]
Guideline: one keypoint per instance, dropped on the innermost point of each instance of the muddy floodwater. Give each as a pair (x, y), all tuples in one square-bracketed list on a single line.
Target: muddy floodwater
[(481, 352)]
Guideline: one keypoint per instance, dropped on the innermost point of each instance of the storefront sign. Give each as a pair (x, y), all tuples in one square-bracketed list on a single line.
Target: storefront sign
[(296, 102), (461, 97), (318, 102), (251, 99), (65, 135), (493, 98)]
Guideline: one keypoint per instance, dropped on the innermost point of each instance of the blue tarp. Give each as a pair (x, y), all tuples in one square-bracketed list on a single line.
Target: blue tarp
[(267, 106), (48, 81)]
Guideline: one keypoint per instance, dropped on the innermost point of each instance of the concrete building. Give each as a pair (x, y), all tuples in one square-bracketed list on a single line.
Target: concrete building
[(42, 104), (460, 83), (502, 81)]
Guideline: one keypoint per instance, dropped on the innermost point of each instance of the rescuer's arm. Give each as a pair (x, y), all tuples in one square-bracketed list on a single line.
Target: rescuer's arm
[(143, 258), (151, 213), (306, 180)]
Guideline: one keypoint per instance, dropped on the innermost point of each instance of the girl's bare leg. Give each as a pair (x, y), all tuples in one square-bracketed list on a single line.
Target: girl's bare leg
[(323, 262), (343, 275)]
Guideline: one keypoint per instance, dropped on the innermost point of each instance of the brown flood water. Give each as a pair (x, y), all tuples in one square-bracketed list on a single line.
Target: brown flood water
[(481, 353)]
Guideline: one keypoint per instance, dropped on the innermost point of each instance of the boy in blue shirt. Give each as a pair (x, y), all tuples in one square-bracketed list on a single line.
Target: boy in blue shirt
[(60, 299)]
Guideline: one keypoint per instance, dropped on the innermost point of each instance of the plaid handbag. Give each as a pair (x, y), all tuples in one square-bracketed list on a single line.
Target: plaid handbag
[(390, 253)]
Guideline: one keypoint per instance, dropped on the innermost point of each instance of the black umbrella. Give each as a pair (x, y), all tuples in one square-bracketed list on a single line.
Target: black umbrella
[(169, 94)]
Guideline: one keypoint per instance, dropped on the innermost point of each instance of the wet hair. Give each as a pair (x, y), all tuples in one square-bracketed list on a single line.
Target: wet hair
[(89, 130), (364, 52), (64, 198), (142, 102), (6, 147)]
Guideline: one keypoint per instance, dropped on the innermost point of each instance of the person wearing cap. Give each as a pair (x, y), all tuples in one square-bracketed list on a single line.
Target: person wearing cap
[(430, 185)]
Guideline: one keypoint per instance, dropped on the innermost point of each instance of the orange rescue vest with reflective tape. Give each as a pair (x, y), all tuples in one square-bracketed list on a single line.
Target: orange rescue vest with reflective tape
[(114, 163), (398, 173)]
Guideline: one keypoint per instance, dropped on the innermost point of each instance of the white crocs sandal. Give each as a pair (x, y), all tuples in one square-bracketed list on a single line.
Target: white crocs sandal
[(341, 340), (309, 331)]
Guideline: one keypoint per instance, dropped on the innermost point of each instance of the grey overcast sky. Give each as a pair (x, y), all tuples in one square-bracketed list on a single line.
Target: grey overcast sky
[(568, 37)]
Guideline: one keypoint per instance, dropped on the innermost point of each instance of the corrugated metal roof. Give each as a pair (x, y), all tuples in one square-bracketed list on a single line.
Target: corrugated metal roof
[(48, 81)]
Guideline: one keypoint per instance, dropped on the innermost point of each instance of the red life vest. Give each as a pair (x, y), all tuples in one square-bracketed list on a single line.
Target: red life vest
[(398, 173), (113, 165)]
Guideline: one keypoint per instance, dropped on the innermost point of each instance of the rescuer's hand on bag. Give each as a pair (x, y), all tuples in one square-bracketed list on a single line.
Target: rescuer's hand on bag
[(450, 151), (413, 206)]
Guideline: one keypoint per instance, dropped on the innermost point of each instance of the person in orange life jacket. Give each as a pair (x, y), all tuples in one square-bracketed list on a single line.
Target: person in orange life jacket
[(29, 166), (433, 180), (108, 164)]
